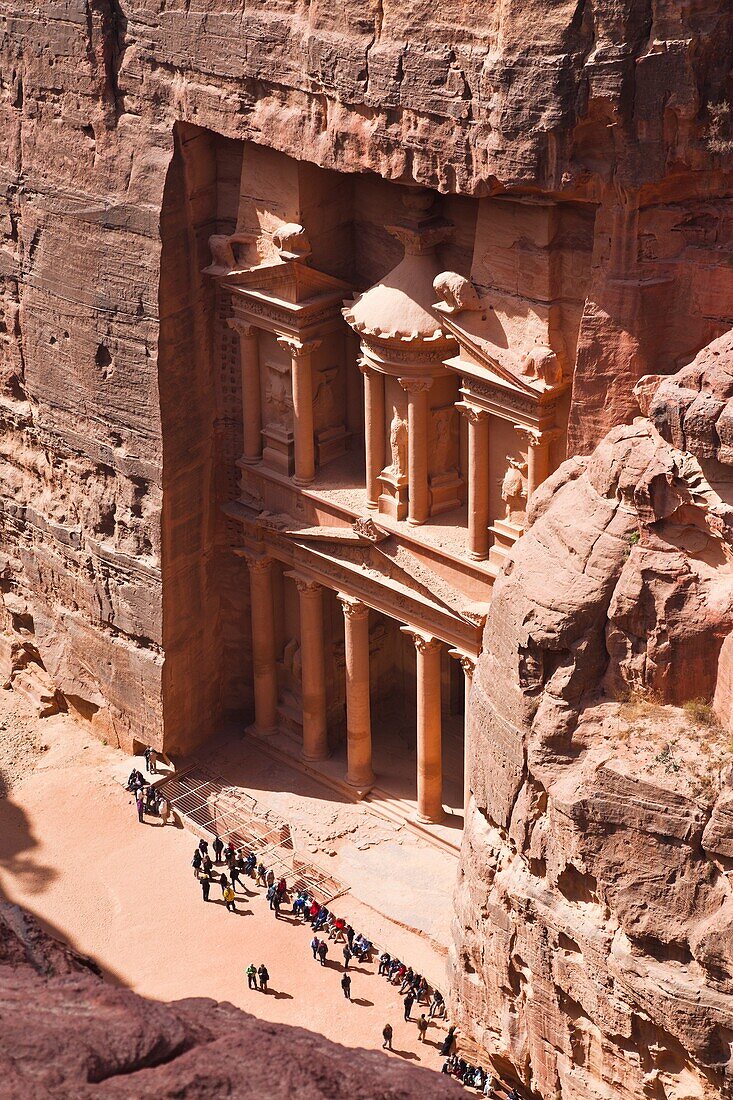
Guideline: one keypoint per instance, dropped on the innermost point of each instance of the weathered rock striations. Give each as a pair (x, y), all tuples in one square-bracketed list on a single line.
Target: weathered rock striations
[(593, 931), (66, 1032), (112, 419), (585, 149)]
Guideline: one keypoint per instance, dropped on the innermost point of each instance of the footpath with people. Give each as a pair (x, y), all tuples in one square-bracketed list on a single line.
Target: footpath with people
[(232, 877)]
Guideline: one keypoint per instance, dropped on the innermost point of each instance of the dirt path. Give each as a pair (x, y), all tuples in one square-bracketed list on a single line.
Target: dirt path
[(73, 852)]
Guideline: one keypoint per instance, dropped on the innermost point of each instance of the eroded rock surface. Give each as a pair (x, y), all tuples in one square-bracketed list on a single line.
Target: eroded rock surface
[(116, 450), (593, 935), (66, 1032)]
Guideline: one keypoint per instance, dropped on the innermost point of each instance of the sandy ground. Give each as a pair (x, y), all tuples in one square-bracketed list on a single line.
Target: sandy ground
[(73, 852)]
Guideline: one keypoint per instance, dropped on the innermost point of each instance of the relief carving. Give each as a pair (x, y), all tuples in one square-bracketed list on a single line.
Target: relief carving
[(398, 446), (514, 488)]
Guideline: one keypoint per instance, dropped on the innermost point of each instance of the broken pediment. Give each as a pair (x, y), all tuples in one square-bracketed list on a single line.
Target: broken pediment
[(290, 282)]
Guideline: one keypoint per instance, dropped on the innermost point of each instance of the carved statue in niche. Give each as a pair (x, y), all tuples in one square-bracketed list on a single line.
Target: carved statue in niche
[(514, 489), (443, 439), (278, 400), (326, 404), (542, 364), (290, 676), (398, 446), (291, 659)]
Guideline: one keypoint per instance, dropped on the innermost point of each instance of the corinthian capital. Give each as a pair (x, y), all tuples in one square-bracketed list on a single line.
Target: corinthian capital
[(258, 566), (415, 385), (353, 608), (424, 643), (297, 350), (471, 413)]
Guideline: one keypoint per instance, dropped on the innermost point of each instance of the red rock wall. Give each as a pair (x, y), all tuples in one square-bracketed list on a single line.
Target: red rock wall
[(592, 948), (605, 105)]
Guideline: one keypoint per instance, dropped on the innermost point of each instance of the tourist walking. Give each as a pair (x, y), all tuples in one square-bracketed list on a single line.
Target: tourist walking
[(204, 848), (140, 807), (218, 847), (315, 944), (322, 952), (235, 872), (422, 1027), (224, 883), (347, 956), (276, 905), (409, 1002), (387, 1036), (196, 863), (251, 976), (205, 886), (264, 977), (346, 986), (229, 899), (164, 809)]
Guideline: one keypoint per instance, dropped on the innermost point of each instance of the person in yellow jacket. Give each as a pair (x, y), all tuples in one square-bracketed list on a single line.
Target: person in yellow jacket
[(229, 899)]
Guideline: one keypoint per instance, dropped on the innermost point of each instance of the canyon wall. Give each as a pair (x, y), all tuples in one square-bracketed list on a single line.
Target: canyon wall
[(115, 574), (593, 948)]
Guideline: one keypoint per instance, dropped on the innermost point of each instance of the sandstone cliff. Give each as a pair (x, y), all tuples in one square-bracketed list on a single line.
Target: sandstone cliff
[(122, 131), (66, 1032), (594, 945)]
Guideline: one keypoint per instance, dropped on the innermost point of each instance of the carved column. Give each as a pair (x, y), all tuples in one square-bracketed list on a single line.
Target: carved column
[(429, 728), (538, 457), (262, 610), (374, 430), (358, 715), (312, 656), (468, 664), (302, 383), (478, 481), (249, 358), (418, 409)]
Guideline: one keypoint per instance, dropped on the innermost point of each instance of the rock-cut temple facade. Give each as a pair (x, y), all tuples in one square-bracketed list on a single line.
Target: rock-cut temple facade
[(393, 434)]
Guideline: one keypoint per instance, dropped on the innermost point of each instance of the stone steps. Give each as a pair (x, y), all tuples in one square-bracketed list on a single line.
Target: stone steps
[(398, 811)]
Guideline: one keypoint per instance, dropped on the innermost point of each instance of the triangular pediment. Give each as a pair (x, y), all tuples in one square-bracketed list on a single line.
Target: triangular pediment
[(384, 560), (290, 283), (496, 362)]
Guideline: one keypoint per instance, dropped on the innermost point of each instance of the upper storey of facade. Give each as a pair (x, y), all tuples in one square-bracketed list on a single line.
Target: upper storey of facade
[(405, 360)]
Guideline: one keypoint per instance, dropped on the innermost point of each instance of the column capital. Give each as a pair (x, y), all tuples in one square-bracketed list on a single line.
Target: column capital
[(424, 643), (533, 437), (472, 414), (353, 608), (467, 662), (258, 564), (364, 365), (296, 349), (243, 328), (416, 385), (305, 585)]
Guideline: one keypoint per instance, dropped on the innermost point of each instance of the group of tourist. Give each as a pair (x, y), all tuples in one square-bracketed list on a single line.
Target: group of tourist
[(325, 925), (473, 1077), (148, 799)]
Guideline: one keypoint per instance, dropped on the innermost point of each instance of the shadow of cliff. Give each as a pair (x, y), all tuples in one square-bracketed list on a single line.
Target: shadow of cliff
[(17, 844)]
